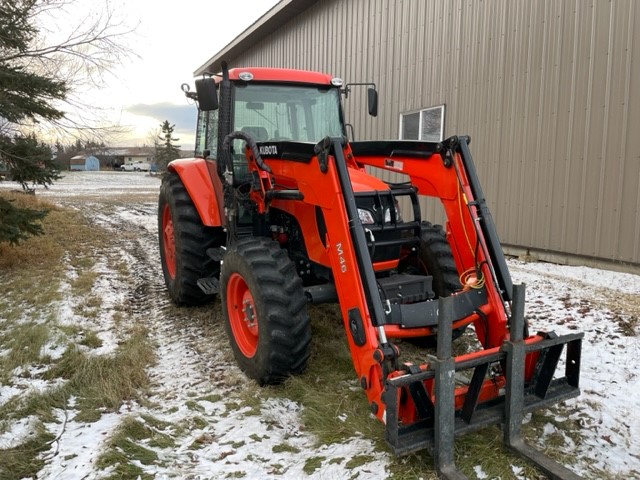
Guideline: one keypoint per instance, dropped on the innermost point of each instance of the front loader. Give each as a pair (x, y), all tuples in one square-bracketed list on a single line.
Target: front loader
[(278, 211)]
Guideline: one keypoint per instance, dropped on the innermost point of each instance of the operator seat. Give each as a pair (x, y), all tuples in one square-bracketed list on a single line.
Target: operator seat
[(259, 134)]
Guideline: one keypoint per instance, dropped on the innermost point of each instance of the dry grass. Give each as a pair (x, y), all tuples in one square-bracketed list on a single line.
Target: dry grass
[(124, 448), (24, 343), (33, 275)]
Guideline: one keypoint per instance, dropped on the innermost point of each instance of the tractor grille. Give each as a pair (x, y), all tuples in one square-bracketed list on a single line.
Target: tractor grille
[(385, 229)]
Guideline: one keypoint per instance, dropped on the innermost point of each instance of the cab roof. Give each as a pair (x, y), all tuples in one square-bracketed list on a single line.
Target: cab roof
[(279, 75)]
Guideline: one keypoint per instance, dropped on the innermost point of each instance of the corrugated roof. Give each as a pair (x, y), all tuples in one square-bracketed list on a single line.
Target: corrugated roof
[(280, 14)]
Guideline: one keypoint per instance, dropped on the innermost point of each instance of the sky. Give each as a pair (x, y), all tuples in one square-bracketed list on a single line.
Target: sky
[(168, 41)]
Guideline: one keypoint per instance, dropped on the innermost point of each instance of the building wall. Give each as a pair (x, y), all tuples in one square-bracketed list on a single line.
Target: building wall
[(548, 91)]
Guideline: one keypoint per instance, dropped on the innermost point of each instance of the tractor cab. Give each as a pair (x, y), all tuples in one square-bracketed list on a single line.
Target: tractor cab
[(287, 113), (272, 105)]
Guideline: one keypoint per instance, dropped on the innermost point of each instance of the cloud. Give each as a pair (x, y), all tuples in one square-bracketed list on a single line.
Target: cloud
[(183, 116)]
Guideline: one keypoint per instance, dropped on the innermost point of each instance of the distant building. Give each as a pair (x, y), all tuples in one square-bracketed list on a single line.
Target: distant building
[(111, 157), (77, 163), (91, 163), (84, 163), (115, 157)]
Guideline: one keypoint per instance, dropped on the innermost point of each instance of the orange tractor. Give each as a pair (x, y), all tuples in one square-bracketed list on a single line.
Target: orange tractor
[(278, 211)]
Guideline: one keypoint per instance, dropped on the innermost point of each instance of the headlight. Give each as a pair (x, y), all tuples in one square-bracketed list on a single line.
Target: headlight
[(366, 217)]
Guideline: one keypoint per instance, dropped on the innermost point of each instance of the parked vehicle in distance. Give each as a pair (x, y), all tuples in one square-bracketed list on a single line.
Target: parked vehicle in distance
[(137, 166)]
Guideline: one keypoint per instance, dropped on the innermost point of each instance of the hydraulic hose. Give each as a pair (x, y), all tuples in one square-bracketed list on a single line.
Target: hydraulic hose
[(251, 143)]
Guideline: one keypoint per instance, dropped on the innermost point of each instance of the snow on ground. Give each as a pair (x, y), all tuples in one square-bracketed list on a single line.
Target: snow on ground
[(568, 299), (193, 383)]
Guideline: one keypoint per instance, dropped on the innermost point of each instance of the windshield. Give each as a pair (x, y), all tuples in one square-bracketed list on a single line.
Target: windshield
[(287, 112)]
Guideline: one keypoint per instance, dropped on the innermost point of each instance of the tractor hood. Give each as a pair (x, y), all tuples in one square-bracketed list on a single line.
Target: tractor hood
[(363, 182)]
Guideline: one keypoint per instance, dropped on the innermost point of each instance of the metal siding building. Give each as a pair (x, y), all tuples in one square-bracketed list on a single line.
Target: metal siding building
[(548, 90)]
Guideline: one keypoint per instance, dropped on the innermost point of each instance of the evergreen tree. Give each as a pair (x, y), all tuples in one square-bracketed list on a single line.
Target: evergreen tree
[(30, 161), (167, 150), (18, 223), (33, 84), (24, 94)]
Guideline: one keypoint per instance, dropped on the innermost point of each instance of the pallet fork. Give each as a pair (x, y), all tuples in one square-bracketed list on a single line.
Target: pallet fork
[(438, 435)]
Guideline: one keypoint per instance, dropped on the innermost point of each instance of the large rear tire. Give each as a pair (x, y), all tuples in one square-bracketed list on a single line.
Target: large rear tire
[(184, 241), (264, 308), (434, 258)]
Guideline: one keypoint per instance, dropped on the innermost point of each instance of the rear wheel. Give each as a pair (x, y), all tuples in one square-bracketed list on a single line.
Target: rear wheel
[(434, 258), (264, 309), (184, 241)]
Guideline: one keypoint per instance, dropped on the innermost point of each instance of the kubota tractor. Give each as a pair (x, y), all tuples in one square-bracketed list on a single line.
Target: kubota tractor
[(278, 211)]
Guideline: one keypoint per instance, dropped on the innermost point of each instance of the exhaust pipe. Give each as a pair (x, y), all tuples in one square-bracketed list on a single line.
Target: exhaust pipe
[(318, 294)]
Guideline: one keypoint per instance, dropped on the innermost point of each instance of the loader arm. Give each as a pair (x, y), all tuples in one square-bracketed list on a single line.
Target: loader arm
[(440, 170), (421, 405), (324, 182)]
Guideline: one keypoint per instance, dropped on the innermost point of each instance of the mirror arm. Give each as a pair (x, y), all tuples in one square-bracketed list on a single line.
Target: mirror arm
[(372, 95), (347, 87)]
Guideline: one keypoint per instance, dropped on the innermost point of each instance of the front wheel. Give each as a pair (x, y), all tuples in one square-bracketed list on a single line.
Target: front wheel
[(435, 259), (264, 308)]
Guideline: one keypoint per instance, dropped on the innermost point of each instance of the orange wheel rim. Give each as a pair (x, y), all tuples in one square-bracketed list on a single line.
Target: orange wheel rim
[(242, 315)]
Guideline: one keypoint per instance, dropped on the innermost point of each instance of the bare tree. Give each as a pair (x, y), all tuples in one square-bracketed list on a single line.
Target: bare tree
[(154, 141), (46, 62), (74, 56)]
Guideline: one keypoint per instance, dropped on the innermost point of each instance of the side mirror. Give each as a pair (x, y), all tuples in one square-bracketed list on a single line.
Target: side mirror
[(207, 95), (372, 100)]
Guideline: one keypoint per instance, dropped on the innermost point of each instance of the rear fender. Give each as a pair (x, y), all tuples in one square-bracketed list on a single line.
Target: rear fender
[(200, 178)]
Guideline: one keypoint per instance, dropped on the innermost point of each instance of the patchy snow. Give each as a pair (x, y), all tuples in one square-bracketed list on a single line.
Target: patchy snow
[(96, 185), (74, 449), (228, 440), (18, 432), (565, 299), (480, 475), (24, 380), (591, 277)]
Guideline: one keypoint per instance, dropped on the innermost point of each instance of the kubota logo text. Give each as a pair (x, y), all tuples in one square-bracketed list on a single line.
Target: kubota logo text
[(268, 150)]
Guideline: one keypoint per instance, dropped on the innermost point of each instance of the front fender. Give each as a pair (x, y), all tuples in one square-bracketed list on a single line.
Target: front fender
[(200, 179)]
